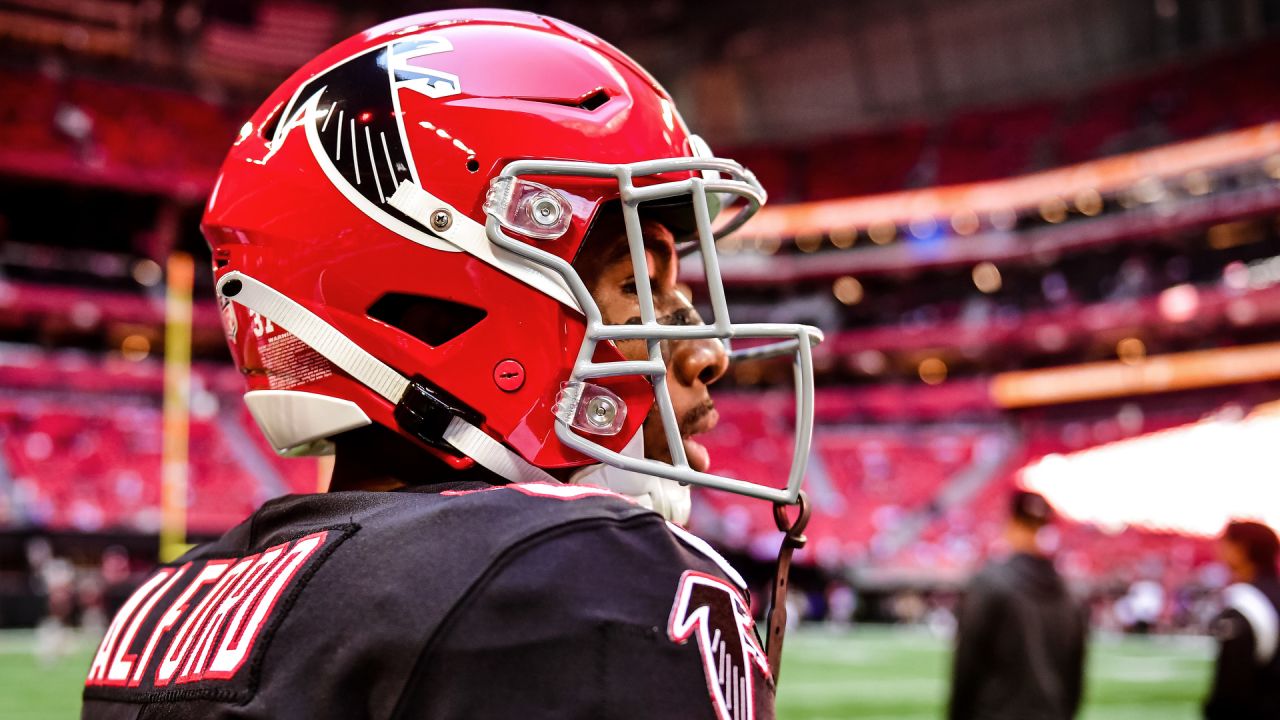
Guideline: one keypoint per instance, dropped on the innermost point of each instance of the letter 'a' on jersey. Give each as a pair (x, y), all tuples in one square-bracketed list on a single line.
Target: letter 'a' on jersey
[(393, 234)]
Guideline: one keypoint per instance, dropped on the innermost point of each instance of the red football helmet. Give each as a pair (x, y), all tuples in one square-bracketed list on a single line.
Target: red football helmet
[(392, 236)]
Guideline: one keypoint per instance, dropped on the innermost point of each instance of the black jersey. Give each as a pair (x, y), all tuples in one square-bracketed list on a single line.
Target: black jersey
[(1020, 644), (1246, 678), (462, 601)]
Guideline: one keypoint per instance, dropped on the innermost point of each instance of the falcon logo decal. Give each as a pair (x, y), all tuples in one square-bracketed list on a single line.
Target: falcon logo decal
[(351, 117), (714, 613)]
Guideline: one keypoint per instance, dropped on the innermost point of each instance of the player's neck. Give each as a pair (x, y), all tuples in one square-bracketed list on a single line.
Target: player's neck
[(1022, 540), (1245, 574), (375, 459)]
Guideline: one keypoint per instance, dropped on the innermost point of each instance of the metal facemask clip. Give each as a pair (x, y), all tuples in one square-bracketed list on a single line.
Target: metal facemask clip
[(529, 208), (590, 408)]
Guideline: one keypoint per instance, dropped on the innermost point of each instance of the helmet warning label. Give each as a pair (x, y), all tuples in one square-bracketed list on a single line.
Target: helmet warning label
[(290, 362)]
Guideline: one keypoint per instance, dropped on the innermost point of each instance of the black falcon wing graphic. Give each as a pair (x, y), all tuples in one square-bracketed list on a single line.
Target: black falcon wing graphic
[(355, 111)]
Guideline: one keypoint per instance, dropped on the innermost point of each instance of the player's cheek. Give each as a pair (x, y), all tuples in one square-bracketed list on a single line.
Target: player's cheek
[(633, 349), (655, 437)]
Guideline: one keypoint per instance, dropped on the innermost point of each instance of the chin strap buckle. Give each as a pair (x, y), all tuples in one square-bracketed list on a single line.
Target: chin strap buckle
[(426, 412), (793, 539)]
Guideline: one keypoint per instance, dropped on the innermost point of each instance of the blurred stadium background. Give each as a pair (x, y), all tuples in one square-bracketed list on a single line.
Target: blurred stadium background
[(1042, 237)]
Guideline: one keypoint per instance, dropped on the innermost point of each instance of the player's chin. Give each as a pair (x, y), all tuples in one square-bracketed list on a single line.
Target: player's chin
[(695, 452)]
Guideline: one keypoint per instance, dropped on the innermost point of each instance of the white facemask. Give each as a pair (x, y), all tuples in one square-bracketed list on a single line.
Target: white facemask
[(665, 497)]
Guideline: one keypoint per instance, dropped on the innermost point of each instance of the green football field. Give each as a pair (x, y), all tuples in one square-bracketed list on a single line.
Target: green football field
[(882, 673), (872, 674)]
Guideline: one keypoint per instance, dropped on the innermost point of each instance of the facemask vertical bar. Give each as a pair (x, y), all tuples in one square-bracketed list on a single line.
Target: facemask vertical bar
[(710, 261), (649, 316), (670, 424), (802, 368), (639, 262)]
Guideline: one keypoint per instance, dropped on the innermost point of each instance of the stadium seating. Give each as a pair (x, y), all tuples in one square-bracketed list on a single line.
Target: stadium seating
[(28, 125), (96, 466), (124, 135), (182, 138), (862, 480), (82, 436), (986, 145), (958, 538), (1230, 91)]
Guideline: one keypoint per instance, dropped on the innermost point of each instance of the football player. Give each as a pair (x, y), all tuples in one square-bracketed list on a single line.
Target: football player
[(446, 250)]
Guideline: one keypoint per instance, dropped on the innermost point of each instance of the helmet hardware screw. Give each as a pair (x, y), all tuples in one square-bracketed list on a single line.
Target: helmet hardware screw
[(546, 212), (441, 219), (601, 411), (508, 375)]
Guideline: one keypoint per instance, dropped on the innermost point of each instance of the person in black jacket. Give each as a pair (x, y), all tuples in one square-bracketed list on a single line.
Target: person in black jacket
[(1246, 681), (1021, 636)]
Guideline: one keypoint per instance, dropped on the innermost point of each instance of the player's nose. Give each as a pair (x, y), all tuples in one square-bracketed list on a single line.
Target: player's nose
[(703, 360)]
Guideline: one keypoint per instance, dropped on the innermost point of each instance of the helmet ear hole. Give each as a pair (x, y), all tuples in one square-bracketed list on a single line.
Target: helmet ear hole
[(473, 165), (434, 321)]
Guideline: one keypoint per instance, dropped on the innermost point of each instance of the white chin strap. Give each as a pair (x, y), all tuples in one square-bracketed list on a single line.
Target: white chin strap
[(665, 497)]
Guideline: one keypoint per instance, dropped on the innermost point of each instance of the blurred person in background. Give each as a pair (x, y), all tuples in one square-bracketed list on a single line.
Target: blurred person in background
[(117, 581), (1246, 681), (1020, 640), (54, 582), (1140, 610)]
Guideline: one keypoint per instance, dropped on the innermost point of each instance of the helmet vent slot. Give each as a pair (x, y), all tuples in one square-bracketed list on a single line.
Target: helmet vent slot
[(434, 321), (594, 100), (589, 102)]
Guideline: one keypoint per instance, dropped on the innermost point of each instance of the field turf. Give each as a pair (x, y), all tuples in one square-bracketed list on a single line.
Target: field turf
[(870, 674), (901, 674)]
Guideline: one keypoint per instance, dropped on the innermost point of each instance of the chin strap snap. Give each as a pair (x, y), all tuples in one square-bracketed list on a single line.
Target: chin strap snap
[(792, 540)]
